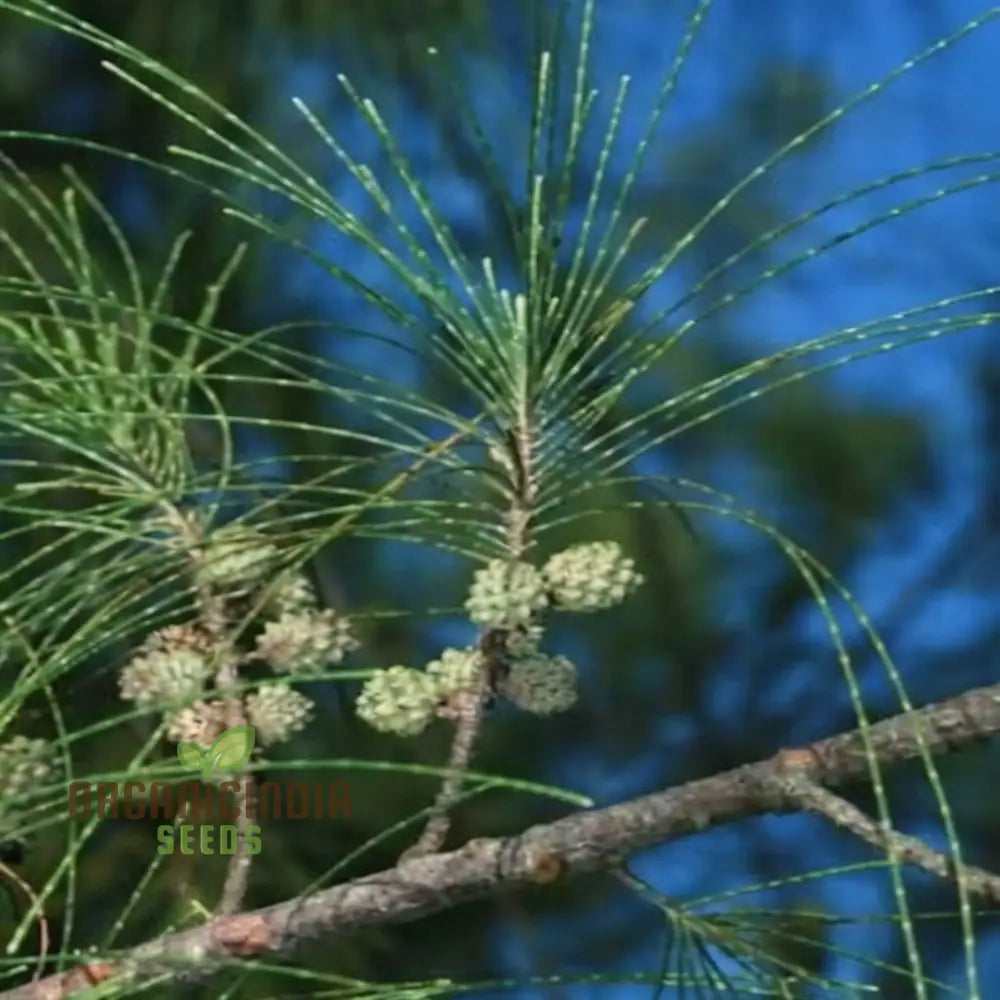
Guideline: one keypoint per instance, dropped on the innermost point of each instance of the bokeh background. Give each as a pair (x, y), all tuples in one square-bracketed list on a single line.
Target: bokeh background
[(884, 468)]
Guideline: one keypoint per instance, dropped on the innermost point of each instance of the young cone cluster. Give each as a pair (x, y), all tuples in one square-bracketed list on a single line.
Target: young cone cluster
[(507, 599), (179, 663), (24, 764)]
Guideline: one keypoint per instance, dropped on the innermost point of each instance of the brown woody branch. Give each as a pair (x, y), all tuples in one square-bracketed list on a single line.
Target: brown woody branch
[(911, 850), (584, 841)]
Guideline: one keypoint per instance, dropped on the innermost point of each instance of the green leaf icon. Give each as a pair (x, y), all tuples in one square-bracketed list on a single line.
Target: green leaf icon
[(230, 750), (191, 755)]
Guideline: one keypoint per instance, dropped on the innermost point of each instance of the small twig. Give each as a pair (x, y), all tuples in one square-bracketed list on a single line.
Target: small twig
[(43, 924), (215, 620), (468, 706), (467, 709), (811, 797), (238, 874)]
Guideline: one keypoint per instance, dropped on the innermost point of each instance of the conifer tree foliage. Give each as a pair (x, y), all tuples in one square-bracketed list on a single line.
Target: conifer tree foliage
[(467, 534)]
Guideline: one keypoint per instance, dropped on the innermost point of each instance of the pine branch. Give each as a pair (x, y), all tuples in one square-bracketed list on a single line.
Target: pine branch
[(518, 460), (586, 841)]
